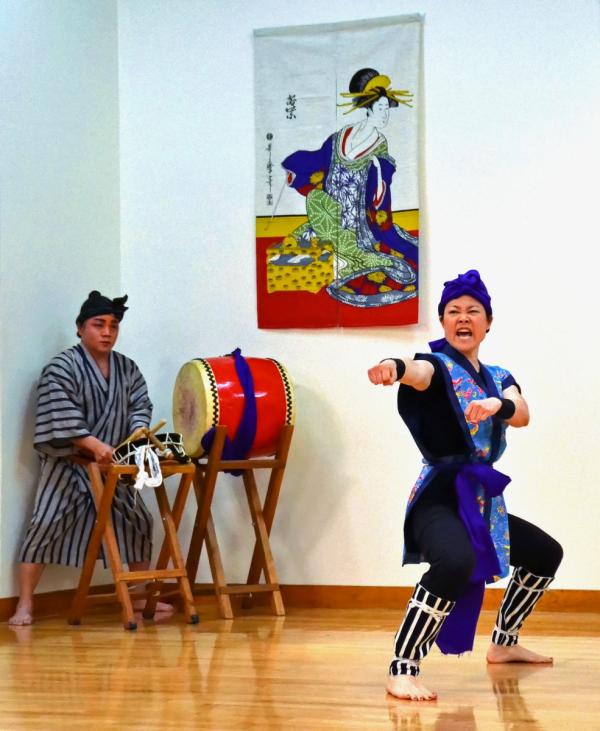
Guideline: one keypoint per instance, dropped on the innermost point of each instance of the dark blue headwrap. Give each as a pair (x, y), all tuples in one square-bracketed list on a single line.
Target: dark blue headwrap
[(468, 283)]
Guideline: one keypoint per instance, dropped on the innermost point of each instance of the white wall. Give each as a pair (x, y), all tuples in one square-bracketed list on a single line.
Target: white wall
[(59, 215), (509, 187)]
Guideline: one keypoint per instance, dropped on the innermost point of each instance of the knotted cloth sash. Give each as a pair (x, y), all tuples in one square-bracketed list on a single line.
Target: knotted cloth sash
[(458, 631), (240, 445)]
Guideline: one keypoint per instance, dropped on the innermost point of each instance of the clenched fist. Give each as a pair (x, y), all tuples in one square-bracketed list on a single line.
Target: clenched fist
[(478, 411), (383, 373)]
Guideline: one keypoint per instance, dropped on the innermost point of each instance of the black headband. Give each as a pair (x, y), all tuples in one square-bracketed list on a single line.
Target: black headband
[(97, 304)]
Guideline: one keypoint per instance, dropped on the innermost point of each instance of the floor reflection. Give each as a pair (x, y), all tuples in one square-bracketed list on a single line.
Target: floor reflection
[(309, 671), (513, 711), (411, 718), (145, 673)]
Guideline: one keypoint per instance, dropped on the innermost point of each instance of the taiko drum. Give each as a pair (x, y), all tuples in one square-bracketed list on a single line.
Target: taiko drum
[(208, 393)]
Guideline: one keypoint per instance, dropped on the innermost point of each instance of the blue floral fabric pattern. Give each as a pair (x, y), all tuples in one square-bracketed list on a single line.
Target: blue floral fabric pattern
[(465, 390), (346, 186)]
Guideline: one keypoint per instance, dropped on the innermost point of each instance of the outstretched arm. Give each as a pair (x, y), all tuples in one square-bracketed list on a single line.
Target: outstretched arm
[(417, 373)]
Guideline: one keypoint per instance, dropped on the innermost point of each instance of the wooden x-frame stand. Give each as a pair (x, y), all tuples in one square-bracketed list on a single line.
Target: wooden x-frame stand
[(262, 519), (103, 479)]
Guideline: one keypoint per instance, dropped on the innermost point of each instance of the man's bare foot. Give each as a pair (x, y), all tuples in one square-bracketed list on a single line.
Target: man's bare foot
[(23, 616), (161, 607), (516, 653), (409, 687)]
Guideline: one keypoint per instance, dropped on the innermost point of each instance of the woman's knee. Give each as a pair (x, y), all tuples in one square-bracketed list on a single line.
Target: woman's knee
[(449, 574), (553, 557), (532, 548), (459, 567)]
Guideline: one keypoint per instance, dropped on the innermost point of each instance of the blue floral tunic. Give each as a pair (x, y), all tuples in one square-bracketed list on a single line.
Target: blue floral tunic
[(481, 443)]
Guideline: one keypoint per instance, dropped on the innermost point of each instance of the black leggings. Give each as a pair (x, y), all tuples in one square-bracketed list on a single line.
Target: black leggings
[(442, 538)]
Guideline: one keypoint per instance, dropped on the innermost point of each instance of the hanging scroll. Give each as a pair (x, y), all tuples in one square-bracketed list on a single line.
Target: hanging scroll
[(337, 206)]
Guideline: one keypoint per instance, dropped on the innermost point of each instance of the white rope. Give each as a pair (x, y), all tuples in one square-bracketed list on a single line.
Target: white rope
[(409, 663), (146, 455), (532, 589), (439, 615), (504, 632)]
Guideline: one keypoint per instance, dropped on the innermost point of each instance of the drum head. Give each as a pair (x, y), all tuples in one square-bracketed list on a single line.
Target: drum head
[(195, 405)]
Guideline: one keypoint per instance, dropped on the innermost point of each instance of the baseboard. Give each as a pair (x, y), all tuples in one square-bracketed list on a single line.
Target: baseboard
[(333, 597), (392, 597), (48, 603)]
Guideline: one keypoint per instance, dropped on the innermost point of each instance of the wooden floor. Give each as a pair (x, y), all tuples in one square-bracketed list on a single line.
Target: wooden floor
[(314, 669)]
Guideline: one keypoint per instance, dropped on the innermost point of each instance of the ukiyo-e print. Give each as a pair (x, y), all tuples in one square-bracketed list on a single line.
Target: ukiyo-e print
[(337, 208)]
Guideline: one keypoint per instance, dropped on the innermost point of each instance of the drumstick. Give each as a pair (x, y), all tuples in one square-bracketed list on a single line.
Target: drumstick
[(156, 427), (137, 434), (157, 443), (142, 432)]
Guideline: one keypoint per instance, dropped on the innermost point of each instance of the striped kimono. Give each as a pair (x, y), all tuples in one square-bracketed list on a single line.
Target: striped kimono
[(76, 400)]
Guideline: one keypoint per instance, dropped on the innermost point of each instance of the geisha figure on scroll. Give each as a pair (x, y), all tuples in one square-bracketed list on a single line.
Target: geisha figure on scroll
[(347, 185)]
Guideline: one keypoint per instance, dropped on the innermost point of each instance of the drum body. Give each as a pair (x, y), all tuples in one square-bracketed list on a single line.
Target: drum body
[(208, 393)]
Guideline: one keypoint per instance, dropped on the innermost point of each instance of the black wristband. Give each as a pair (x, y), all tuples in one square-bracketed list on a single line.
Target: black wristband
[(507, 410), (400, 367)]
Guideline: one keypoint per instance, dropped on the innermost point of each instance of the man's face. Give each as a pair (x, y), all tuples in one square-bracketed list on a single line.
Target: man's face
[(99, 334)]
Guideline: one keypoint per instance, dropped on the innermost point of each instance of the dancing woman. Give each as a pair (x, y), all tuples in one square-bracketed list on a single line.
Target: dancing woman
[(457, 411)]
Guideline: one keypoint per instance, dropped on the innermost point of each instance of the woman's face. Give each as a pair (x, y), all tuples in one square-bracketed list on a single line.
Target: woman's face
[(380, 112), (465, 324)]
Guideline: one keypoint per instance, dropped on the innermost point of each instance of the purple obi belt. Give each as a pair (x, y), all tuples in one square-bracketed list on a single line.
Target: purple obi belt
[(458, 631)]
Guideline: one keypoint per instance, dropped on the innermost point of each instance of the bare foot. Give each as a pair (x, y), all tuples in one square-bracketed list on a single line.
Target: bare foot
[(409, 688), (161, 607), (516, 653), (23, 616)]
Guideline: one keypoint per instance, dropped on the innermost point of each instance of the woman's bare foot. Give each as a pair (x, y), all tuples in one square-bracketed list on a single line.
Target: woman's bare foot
[(23, 615), (516, 653), (409, 687)]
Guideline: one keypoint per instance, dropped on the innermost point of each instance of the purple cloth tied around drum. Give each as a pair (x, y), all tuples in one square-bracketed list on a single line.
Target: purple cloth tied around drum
[(241, 444), (458, 631)]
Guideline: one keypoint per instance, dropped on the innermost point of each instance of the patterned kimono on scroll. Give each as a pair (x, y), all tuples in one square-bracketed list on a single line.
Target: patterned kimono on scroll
[(76, 400), (348, 202)]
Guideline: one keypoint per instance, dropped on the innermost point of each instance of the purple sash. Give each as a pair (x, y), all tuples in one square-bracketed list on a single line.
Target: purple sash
[(458, 631)]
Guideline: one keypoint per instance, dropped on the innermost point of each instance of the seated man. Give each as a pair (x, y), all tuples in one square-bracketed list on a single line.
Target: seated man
[(90, 398)]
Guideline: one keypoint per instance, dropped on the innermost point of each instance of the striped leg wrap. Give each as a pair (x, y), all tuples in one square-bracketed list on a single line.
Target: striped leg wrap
[(425, 615), (522, 594)]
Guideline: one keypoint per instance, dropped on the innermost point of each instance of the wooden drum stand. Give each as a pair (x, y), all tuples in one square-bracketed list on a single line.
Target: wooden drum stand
[(205, 478), (103, 479)]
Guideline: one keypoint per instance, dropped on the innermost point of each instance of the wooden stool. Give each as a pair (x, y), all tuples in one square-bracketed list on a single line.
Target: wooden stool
[(262, 519), (103, 479)]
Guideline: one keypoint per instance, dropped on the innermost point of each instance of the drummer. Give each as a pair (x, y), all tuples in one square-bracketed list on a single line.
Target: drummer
[(89, 398)]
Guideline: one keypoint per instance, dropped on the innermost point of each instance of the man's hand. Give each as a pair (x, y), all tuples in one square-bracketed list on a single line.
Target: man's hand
[(101, 452), (383, 373), (481, 410)]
